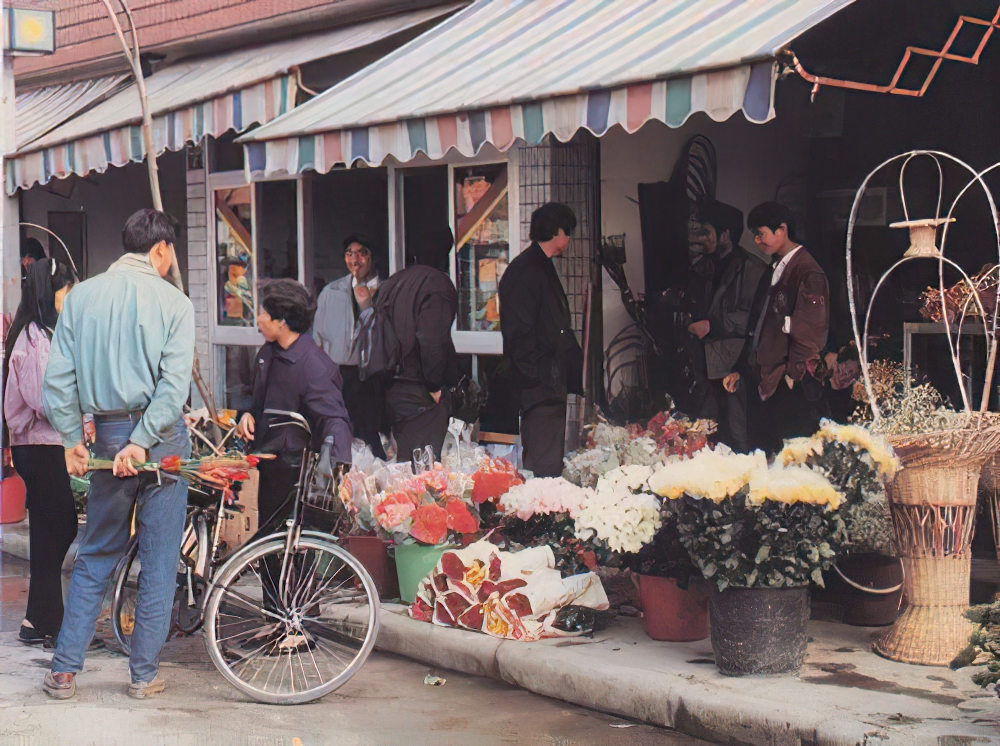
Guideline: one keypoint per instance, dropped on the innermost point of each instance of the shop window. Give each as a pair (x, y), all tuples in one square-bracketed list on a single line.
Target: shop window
[(277, 231), (482, 241), (234, 254)]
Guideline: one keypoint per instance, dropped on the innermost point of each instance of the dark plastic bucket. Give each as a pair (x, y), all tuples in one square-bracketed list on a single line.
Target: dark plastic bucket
[(672, 614), (759, 631), (881, 577)]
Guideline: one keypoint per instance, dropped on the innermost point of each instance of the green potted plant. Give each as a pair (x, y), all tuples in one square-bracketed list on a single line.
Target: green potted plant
[(759, 535), (866, 580)]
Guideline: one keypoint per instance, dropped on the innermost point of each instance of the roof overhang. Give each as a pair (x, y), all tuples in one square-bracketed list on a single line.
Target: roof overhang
[(187, 100), (501, 71)]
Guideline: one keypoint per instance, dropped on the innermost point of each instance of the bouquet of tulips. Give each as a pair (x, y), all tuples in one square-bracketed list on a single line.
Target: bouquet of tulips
[(212, 471)]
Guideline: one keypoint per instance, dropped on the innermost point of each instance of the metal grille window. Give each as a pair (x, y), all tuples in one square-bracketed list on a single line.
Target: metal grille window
[(567, 173)]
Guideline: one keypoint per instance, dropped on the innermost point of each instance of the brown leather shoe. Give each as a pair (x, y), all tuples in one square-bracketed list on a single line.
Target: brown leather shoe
[(146, 689), (59, 685)]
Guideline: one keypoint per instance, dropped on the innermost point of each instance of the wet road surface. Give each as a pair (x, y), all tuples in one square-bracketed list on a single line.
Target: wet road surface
[(386, 703)]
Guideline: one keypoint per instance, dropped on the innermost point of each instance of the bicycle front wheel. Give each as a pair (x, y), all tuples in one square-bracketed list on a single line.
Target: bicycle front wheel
[(288, 629)]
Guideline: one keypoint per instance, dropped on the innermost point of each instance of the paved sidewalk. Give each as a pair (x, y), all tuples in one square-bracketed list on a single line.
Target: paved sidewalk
[(844, 695)]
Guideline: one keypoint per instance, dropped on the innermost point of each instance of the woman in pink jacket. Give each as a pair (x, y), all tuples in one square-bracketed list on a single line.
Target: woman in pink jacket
[(36, 447)]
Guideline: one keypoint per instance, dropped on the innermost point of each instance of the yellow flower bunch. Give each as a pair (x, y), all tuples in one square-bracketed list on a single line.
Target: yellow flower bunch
[(709, 474), (798, 450), (878, 450), (793, 484)]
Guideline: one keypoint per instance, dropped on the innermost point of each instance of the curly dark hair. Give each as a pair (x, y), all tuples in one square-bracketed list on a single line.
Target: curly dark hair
[(289, 301)]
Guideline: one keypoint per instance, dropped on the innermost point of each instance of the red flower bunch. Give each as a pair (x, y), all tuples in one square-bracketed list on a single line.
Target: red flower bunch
[(493, 479)]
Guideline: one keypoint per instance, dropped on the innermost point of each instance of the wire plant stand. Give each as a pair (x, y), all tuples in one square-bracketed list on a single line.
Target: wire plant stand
[(933, 497)]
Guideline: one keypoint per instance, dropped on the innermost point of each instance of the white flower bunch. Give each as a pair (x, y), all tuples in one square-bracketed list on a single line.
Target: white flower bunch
[(709, 474), (617, 514), (545, 495)]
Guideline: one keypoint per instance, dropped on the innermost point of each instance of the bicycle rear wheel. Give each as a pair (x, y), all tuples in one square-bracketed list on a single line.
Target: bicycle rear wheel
[(126, 591), (294, 635)]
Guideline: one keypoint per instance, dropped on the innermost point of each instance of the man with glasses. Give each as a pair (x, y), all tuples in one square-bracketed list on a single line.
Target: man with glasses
[(339, 306)]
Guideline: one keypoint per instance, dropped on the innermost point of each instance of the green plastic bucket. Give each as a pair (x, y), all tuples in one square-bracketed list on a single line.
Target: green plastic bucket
[(413, 562)]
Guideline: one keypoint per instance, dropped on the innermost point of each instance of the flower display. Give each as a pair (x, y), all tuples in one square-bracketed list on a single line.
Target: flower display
[(710, 474), (617, 515), (666, 435), (430, 524), (792, 484), (872, 447), (395, 512), (545, 496)]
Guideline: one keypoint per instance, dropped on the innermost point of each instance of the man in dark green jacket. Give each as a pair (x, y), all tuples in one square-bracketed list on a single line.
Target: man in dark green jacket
[(725, 329)]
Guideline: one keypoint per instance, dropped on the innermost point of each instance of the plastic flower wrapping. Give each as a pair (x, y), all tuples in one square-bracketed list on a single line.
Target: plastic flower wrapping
[(712, 474), (514, 596), (617, 514), (493, 479), (545, 496)]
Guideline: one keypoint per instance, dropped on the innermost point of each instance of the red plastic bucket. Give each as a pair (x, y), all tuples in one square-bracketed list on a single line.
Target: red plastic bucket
[(672, 614), (12, 508), (371, 552)]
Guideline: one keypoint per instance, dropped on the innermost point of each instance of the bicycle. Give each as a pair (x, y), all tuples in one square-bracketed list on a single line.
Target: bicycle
[(291, 616)]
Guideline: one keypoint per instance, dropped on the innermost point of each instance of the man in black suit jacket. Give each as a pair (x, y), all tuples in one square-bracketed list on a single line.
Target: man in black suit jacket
[(541, 349)]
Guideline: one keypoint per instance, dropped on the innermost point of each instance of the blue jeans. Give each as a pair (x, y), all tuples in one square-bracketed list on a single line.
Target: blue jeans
[(160, 513)]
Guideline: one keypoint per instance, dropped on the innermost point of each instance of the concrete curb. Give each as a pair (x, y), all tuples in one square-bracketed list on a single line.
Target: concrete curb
[(668, 684)]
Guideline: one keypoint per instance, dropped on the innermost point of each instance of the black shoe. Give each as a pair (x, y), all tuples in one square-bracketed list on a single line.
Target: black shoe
[(31, 636)]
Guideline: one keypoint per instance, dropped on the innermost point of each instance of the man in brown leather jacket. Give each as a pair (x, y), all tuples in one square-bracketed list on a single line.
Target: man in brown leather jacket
[(790, 331)]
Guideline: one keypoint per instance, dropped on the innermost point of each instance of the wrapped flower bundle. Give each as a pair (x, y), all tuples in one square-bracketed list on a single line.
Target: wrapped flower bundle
[(214, 471)]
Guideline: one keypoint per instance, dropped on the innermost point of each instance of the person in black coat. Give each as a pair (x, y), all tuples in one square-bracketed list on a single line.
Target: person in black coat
[(292, 374), (420, 303), (541, 350)]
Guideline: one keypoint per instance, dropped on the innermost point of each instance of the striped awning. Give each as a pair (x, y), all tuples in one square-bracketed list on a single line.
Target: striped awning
[(37, 112), (191, 99), (507, 70)]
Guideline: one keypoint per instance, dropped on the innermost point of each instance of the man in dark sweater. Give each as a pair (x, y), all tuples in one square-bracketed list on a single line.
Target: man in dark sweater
[(542, 352), (420, 303)]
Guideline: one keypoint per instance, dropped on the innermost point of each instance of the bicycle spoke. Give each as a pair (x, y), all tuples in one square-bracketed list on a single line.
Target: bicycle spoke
[(244, 601)]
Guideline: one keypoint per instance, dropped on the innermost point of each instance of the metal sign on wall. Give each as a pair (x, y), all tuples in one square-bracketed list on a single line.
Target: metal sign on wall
[(29, 31)]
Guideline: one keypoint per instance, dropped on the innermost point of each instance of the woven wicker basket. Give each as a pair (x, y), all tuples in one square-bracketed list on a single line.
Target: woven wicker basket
[(933, 502)]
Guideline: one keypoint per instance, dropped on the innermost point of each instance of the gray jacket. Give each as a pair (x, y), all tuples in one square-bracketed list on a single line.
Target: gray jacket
[(333, 328), (729, 313)]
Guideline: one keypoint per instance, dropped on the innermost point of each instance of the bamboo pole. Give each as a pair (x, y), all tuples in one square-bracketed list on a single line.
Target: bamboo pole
[(133, 56)]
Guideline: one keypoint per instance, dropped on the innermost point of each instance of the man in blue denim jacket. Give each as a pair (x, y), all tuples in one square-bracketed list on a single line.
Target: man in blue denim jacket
[(123, 350)]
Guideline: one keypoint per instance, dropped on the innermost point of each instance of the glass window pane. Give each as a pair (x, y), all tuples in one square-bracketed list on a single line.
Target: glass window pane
[(277, 232), (234, 254), (238, 367), (482, 237)]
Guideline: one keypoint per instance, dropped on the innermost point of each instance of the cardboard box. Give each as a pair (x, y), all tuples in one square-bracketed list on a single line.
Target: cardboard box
[(239, 521)]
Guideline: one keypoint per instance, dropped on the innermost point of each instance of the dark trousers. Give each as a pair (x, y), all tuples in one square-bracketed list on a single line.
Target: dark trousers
[(275, 492), (730, 412), (791, 413), (51, 530), (365, 402), (543, 439), (416, 420)]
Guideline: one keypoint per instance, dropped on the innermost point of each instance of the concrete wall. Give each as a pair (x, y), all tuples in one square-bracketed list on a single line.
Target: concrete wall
[(107, 200), (753, 160)]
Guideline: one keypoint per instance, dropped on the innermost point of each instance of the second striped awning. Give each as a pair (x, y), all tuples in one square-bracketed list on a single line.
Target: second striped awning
[(748, 89)]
